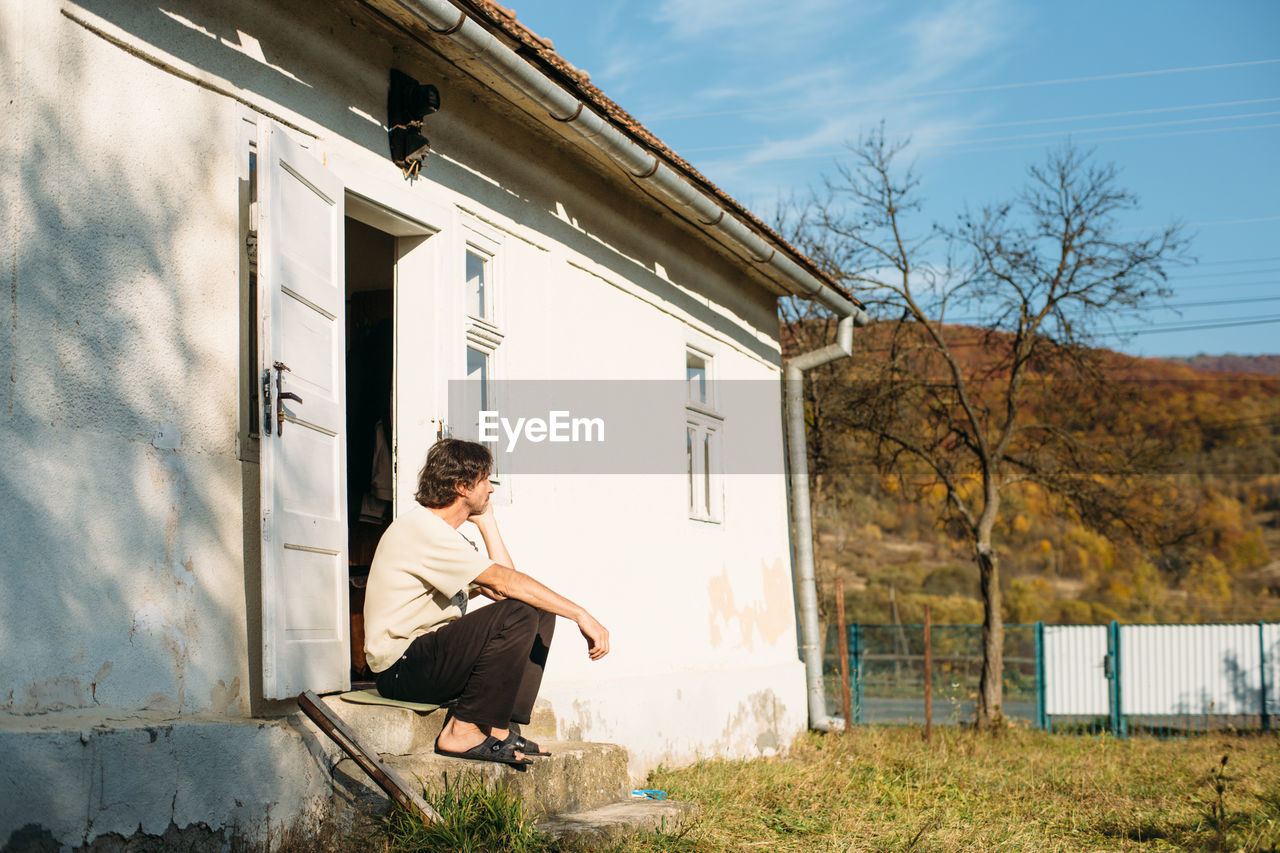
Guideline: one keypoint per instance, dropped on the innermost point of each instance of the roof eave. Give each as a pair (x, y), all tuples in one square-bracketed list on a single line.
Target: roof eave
[(483, 29)]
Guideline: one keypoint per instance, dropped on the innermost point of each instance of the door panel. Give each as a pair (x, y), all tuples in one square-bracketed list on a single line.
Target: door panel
[(309, 593), (303, 460)]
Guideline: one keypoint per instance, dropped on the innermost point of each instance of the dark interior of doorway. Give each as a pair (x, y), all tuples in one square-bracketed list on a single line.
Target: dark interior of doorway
[(370, 276)]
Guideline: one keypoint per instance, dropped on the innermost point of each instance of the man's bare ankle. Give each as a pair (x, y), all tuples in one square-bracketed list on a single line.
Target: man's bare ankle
[(458, 730)]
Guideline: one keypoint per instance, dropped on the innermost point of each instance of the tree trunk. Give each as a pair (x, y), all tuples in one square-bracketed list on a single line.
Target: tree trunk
[(991, 682)]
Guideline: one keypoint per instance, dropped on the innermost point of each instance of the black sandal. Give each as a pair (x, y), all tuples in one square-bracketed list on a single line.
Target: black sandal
[(528, 747), (497, 751)]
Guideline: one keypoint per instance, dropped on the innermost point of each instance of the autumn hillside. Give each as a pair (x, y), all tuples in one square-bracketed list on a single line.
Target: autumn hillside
[(1263, 364), (1214, 504)]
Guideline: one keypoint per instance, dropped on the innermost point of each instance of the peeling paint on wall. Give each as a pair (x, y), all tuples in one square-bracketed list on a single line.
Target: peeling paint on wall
[(769, 618), (761, 712), (223, 696), (59, 693), (589, 725), (103, 672), (41, 697), (169, 476), (153, 618)]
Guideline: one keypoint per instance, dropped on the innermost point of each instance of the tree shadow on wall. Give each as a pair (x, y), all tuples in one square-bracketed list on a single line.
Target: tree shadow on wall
[(121, 587)]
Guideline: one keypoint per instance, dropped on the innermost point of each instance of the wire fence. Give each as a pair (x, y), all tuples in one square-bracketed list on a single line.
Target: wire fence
[(1165, 680)]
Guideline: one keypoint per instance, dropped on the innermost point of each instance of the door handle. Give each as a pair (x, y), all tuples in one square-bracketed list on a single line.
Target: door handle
[(281, 396)]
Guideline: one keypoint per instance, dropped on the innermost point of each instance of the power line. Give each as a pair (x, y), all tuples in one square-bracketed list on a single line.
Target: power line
[(1233, 221), (1206, 222), (1126, 138), (1238, 261), (1212, 303), (1222, 323), (1226, 274), (967, 91), (1231, 285), (1073, 132), (1146, 111), (1051, 121), (1227, 323), (1133, 136)]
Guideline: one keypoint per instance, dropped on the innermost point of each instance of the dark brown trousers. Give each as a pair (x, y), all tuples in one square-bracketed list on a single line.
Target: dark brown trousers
[(489, 663)]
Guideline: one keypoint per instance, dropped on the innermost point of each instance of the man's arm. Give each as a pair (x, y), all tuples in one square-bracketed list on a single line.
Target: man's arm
[(488, 525), (499, 581)]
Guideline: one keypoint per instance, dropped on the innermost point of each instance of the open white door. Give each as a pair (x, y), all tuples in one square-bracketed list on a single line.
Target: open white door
[(302, 354)]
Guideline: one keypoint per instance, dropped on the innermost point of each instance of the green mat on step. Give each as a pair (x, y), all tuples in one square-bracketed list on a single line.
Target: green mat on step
[(373, 697)]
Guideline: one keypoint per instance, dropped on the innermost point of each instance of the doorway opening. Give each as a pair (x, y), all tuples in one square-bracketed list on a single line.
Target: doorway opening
[(370, 325)]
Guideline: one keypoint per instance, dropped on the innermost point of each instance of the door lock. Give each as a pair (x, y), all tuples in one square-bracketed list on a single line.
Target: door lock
[(281, 396)]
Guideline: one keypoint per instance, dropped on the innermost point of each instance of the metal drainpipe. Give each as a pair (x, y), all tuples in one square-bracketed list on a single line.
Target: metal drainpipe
[(798, 459), (447, 20)]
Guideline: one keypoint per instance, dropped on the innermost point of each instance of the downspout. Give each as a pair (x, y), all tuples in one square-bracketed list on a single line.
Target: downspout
[(448, 21), (801, 514)]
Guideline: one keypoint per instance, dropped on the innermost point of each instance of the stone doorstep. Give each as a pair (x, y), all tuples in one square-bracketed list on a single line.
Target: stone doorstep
[(619, 819), (400, 731), (580, 790), (575, 777)]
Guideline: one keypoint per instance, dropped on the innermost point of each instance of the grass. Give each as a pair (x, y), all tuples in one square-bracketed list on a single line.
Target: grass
[(473, 819), (882, 789)]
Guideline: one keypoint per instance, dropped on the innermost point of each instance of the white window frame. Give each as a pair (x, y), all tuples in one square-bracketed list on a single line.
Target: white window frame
[(490, 259), (704, 421), (485, 334)]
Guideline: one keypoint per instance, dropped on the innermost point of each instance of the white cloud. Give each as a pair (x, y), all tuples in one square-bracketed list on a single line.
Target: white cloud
[(755, 20), (949, 42), (944, 40)]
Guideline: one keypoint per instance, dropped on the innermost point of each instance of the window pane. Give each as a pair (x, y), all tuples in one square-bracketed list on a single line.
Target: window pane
[(688, 434), (477, 285), (478, 397), (696, 375), (706, 473), (478, 371), (477, 391)]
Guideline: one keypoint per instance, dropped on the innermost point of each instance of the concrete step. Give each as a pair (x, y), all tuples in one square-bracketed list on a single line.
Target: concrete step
[(619, 819), (400, 731), (576, 777)]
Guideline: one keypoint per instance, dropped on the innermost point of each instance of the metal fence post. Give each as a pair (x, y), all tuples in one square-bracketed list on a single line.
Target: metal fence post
[(1041, 722), (855, 643), (1118, 727), (1262, 677), (846, 700), (928, 674)]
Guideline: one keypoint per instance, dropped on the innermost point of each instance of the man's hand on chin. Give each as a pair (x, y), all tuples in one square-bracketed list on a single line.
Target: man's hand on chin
[(480, 517)]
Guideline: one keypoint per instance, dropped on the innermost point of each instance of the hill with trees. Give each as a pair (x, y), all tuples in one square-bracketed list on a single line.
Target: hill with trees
[(1230, 363), (1207, 548)]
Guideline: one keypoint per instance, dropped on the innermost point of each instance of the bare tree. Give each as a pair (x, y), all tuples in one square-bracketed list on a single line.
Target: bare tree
[(1009, 393)]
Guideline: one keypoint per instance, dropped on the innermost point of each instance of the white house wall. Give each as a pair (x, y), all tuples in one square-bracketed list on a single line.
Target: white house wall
[(130, 571), (122, 522)]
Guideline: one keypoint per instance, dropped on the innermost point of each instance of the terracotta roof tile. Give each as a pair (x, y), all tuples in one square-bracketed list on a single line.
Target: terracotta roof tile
[(541, 52)]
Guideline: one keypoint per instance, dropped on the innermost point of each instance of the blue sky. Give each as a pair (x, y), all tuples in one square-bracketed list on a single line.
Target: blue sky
[(1184, 97)]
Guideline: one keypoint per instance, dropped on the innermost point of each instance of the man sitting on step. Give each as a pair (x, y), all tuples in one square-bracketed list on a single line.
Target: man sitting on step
[(421, 642)]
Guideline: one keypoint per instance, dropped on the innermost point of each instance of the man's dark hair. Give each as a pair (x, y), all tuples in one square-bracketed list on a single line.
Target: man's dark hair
[(451, 462)]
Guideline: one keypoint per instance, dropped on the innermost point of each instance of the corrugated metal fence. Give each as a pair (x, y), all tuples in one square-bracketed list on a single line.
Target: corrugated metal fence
[(1158, 679)]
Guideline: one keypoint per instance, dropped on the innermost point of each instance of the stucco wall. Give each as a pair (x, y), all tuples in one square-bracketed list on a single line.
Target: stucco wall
[(122, 582), (125, 582)]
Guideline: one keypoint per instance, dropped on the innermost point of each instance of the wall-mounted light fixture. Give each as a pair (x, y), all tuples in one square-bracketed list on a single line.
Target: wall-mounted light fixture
[(408, 103)]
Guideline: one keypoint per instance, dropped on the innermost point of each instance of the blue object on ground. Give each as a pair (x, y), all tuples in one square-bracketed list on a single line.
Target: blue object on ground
[(649, 794)]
